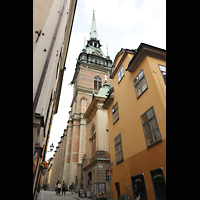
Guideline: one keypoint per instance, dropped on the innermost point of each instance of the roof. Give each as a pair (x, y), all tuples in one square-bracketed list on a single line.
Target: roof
[(115, 67), (91, 49), (143, 51), (100, 97), (104, 90)]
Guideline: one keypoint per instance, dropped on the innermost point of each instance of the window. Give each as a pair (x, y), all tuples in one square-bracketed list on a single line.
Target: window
[(140, 84), (139, 188), (163, 72), (115, 113), (97, 82), (150, 127), (120, 74), (93, 140), (118, 149), (102, 187), (107, 176), (158, 182)]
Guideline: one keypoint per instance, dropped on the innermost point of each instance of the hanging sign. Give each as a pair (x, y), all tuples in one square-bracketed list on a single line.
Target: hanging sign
[(44, 164), (35, 162), (110, 168)]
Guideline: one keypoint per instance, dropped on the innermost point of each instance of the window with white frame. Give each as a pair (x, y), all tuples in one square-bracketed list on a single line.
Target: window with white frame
[(118, 149), (150, 127), (115, 113), (140, 84), (163, 72), (120, 74)]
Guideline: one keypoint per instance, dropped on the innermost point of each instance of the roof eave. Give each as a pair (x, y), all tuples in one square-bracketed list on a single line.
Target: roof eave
[(143, 51), (126, 52)]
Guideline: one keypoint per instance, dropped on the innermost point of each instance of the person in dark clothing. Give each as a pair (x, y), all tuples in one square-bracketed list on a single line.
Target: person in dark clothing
[(58, 187), (64, 187), (72, 188), (103, 196)]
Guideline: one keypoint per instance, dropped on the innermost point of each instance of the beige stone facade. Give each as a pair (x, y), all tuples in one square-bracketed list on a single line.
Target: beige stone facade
[(96, 161), (52, 24)]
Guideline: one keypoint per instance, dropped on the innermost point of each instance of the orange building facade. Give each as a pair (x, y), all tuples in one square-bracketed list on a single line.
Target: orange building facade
[(136, 108)]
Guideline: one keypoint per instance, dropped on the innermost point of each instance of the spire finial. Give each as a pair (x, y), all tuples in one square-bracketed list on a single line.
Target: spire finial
[(84, 46), (93, 32), (106, 79), (108, 57), (84, 41)]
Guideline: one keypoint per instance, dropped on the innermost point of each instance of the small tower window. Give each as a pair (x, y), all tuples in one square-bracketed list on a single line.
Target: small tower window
[(97, 82)]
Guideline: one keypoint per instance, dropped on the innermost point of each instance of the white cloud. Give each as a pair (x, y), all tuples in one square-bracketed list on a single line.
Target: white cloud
[(124, 14), (122, 23)]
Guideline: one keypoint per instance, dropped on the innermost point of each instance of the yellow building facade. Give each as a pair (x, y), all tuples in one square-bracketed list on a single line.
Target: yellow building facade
[(136, 108)]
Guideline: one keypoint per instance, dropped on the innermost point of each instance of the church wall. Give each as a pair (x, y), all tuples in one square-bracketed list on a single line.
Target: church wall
[(77, 129)]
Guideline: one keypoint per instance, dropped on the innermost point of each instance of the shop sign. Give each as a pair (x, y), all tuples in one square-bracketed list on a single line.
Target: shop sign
[(35, 162)]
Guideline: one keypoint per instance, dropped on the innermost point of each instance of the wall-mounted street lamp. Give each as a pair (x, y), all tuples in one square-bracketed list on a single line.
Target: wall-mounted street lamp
[(39, 33), (51, 148)]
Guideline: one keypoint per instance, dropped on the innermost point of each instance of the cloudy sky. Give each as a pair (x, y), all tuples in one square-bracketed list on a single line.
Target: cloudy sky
[(120, 24)]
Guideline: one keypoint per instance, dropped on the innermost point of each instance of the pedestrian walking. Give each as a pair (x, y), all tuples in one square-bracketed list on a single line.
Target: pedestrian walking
[(64, 185), (103, 196), (72, 187), (58, 187)]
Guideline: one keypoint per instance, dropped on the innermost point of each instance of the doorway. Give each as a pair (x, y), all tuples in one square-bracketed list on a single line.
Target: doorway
[(118, 189), (139, 188), (159, 185)]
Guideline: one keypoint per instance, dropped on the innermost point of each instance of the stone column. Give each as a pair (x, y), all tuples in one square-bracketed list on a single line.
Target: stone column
[(68, 150), (82, 142)]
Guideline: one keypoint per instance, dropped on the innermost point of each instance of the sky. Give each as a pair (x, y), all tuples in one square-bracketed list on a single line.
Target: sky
[(120, 24)]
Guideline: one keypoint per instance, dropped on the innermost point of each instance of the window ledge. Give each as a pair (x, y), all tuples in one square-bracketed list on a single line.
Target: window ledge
[(154, 143)]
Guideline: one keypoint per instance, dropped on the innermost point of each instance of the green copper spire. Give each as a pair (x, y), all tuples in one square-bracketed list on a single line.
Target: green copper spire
[(93, 32)]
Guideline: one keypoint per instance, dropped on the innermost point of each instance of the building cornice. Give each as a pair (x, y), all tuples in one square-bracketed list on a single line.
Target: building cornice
[(108, 101), (96, 104), (125, 52), (143, 51)]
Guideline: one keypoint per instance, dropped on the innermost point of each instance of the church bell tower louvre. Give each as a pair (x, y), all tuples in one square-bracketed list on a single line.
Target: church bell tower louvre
[(91, 70)]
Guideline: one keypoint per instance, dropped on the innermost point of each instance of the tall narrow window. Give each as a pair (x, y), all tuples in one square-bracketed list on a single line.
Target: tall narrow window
[(150, 127), (118, 149), (140, 84), (120, 74), (163, 72), (107, 176), (97, 82), (115, 113), (93, 140)]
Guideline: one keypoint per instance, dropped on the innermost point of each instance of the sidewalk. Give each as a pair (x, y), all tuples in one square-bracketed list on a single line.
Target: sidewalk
[(51, 195), (75, 196)]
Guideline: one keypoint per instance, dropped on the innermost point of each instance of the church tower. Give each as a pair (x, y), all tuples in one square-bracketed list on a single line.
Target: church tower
[(91, 69)]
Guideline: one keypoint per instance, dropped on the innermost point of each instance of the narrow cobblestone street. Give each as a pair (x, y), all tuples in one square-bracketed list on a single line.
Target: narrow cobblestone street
[(51, 195)]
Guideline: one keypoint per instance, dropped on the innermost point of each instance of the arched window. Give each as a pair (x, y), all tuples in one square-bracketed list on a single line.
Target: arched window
[(97, 82), (93, 140)]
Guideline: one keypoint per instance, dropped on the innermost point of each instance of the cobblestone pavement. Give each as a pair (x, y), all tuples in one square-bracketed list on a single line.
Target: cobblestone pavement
[(51, 195)]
